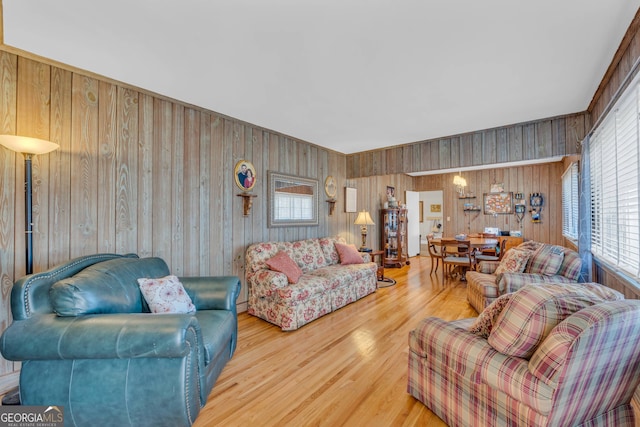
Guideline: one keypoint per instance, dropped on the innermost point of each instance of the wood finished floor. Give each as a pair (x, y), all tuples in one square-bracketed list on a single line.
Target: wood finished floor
[(347, 368)]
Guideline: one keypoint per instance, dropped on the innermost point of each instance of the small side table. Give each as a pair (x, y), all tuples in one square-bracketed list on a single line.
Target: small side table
[(374, 254)]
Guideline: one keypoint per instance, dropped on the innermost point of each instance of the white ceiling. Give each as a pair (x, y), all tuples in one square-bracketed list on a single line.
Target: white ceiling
[(349, 75)]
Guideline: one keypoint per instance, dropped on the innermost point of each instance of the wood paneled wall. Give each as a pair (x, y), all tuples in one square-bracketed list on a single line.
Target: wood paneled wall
[(535, 140), (621, 67), (137, 172), (541, 178)]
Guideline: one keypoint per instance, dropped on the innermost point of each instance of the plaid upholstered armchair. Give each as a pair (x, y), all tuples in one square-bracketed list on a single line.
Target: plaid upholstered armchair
[(543, 263), (547, 355)]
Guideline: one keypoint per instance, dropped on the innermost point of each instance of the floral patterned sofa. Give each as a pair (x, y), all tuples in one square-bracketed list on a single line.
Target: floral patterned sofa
[(325, 285), (546, 355)]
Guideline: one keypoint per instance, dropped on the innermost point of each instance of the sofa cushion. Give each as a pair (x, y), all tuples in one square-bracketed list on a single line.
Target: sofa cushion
[(327, 244), (484, 322), (348, 254), (514, 261), (307, 254), (533, 311), (546, 260), (284, 264), (106, 287), (166, 295)]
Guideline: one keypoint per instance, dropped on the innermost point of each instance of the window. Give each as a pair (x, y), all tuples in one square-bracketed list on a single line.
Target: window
[(570, 202), (614, 156), (293, 206)]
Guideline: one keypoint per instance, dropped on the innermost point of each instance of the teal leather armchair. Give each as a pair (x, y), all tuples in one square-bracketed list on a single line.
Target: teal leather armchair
[(112, 362)]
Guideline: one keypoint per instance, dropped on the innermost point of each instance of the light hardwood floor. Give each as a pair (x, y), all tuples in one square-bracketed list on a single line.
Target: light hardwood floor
[(346, 368)]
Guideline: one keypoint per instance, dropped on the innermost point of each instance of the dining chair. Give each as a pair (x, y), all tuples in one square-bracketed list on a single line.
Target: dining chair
[(435, 252), (490, 251), (496, 257), (457, 255)]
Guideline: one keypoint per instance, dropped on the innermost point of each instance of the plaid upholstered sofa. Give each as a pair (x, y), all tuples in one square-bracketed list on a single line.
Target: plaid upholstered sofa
[(326, 284), (551, 355), (545, 263)]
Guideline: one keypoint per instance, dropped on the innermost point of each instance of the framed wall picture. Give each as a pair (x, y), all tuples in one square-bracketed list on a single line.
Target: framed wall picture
[(498, 203), (245, 175), (436, 208), (350, 199)]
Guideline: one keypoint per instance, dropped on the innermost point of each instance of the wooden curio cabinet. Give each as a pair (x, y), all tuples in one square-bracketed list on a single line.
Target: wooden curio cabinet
[(394, 237)]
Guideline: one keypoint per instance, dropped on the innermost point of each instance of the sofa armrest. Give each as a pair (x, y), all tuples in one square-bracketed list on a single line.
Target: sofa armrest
[(101, 336), (213, 293), (265, 282), (511, 282), (488, 267), (511, 376), (450, 346)]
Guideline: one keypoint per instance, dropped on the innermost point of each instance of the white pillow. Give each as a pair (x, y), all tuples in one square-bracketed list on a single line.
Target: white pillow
[(166, 295)]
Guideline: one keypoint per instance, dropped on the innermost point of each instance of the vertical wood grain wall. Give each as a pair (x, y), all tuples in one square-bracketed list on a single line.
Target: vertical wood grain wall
[(137, 172)]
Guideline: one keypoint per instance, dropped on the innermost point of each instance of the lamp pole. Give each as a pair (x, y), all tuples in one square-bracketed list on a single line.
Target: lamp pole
[(28, 211), (29, 147)]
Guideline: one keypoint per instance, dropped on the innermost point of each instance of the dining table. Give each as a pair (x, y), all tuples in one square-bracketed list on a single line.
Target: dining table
[(474, 242)]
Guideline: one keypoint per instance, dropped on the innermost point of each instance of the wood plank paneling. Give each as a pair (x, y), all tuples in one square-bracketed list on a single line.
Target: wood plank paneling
[(84, 164), (8, 193), (59, 195)]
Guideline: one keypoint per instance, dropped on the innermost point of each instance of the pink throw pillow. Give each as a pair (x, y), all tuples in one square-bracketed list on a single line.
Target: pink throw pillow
[(283, 263), (348, 254), (166, 295)]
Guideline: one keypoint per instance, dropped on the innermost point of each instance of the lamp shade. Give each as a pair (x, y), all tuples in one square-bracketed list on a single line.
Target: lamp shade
[(27, 145), (364, 219), (459, 181)]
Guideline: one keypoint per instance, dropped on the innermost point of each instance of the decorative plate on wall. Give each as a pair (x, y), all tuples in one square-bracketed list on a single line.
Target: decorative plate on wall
[(330, 187)]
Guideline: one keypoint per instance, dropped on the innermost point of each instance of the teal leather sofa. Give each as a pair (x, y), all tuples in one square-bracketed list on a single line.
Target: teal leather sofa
[(112, 362)]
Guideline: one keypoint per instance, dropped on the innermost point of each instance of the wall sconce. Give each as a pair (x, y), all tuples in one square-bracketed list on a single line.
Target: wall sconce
[(363, 220), (29, 147), (460, 183)]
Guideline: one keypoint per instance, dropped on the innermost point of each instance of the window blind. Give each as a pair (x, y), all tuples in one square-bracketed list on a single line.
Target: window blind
[(570, 201), (615, 205)]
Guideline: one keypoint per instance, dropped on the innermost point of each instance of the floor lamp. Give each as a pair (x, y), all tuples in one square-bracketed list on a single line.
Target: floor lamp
[(29, 147)]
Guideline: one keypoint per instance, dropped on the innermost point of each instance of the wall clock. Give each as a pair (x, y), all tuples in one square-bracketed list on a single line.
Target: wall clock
[(330, 187)]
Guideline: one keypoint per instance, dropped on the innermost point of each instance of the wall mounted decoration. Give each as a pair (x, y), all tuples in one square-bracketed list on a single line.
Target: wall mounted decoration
[(330, 187), (293, 201), (350, 199), (497, 188), (498, 203), (535, 202), (436, 208), (245, 175), (331, 190)]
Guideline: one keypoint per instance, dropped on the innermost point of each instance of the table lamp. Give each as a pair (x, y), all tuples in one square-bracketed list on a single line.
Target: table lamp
[(363, 220)]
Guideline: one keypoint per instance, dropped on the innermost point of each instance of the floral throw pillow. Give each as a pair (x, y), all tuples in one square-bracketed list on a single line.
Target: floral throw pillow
[(348, 254), (514, 261), (485, 321), (283, 263), (166, 295)]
